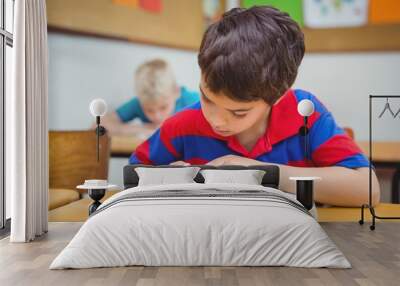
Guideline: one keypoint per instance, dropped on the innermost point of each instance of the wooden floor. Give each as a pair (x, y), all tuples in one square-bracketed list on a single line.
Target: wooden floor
[(375, 256)]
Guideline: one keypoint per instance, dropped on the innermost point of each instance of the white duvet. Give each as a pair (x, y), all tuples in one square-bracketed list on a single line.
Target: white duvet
[(190, 230)]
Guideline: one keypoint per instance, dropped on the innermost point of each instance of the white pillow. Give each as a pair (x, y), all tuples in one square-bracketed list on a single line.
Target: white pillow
[(248, 177), (163, 176)]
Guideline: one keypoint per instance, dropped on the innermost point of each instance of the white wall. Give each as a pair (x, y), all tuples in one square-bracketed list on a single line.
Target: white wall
[(82, 69)]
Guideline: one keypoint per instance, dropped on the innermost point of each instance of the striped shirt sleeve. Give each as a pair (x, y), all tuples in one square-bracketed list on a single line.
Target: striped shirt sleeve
[(157, 150), (130, 110), (331, 146)]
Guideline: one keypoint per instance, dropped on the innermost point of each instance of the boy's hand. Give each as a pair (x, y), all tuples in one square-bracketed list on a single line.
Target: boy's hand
[(180, 163), (233, 160)]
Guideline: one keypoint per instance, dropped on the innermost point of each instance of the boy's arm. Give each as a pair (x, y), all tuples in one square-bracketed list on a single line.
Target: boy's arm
[(166, 145), (340, 186), (341, 165), (159, 149), (118, 122)]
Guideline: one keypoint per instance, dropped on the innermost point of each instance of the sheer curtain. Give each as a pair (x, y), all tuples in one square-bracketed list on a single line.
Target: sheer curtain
[(26, 123)]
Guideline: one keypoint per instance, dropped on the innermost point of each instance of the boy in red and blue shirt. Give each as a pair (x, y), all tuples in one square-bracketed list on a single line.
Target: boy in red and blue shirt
[(247, 113)]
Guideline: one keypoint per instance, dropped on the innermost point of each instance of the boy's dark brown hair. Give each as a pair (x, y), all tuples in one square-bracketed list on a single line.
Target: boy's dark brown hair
[(252, 54)]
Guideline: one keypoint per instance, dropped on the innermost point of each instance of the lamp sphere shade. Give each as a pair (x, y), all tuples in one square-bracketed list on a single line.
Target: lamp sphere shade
[(305, 107), (98, 107)]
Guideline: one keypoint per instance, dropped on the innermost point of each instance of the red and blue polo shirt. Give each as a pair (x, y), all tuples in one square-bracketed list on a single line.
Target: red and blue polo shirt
[(187, 136)]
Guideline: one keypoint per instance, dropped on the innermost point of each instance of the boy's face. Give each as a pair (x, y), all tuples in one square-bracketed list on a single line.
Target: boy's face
[(228, 117), (159, 110)]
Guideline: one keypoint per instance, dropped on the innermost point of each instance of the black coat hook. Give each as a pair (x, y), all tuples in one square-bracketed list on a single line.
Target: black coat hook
[(387, 107)]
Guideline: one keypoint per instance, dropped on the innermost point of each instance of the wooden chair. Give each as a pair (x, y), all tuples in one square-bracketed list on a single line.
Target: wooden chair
[(72, 160), (349, 132)]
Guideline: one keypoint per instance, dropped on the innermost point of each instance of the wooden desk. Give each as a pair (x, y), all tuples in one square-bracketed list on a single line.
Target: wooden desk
[(75, 211), (382, 151), (123, 146), (342, 214)]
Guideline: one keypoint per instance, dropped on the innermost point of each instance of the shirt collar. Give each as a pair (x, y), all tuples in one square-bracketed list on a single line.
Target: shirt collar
[(284, 122)]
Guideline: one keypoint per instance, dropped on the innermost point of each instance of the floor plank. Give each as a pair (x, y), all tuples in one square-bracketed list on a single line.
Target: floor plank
[(375, 257)]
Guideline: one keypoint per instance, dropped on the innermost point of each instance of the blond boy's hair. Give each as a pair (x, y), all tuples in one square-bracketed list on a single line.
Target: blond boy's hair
[(154, 79)]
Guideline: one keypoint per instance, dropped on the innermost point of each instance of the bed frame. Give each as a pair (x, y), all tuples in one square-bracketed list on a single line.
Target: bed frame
[(270, 179)]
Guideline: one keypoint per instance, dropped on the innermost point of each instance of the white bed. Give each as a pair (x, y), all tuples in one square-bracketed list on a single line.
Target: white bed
[(224, 225)]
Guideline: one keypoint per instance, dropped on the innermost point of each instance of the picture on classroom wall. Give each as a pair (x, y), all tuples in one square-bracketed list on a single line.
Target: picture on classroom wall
[(335, 13), (154, 6), (293, 7), (384, 11)]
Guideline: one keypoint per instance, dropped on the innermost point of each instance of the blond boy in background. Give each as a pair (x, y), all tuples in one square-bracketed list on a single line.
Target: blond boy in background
[(158, 96)]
